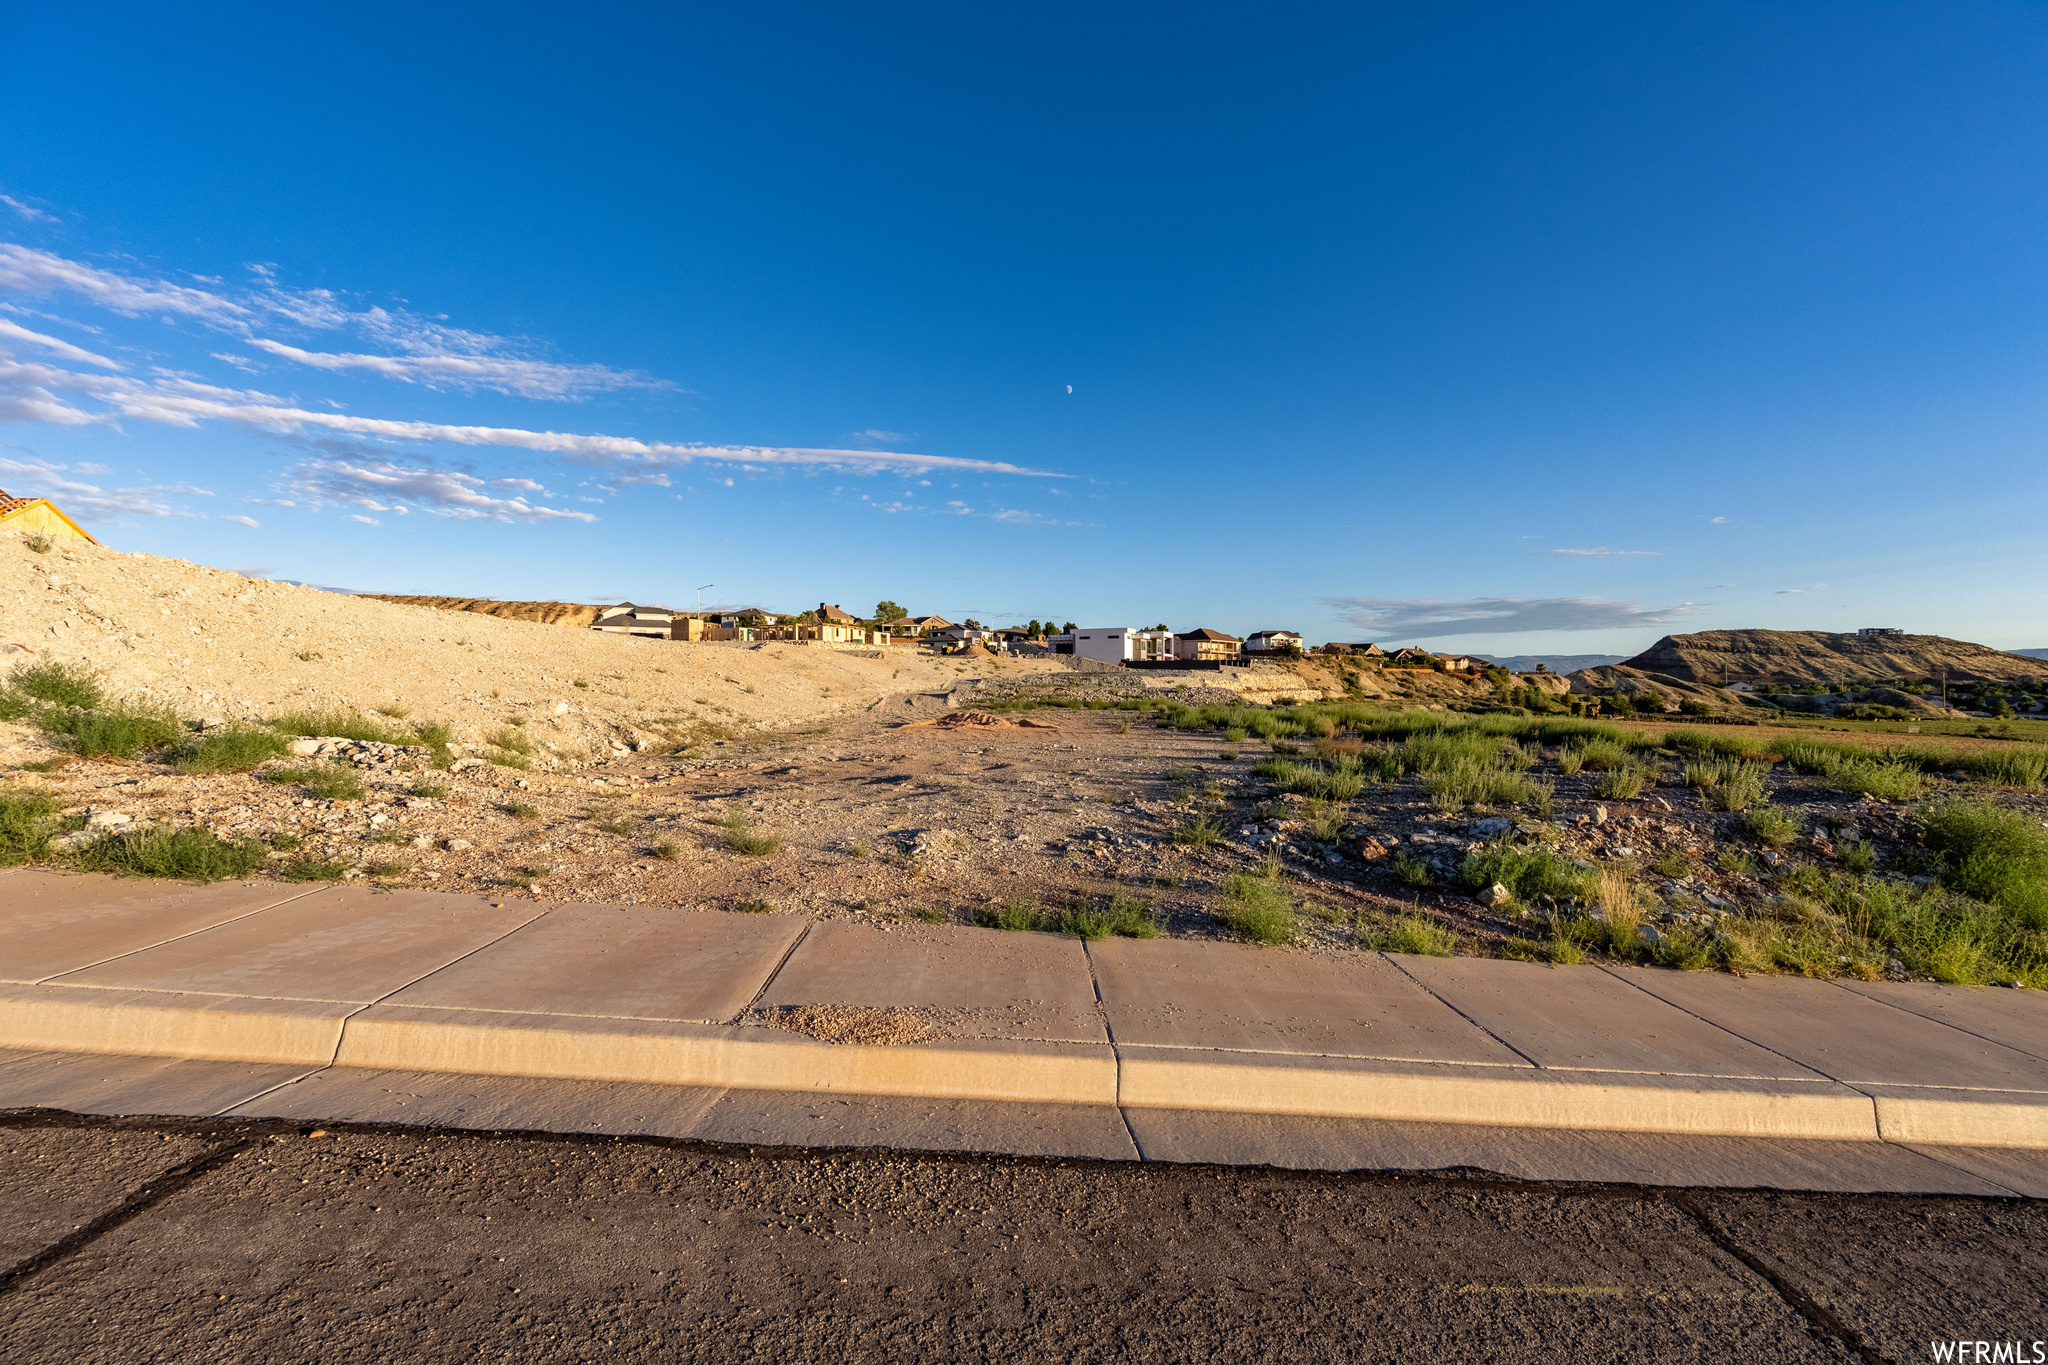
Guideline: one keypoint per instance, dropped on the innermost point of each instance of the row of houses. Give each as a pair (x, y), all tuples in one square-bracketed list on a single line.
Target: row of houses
[(830, 624)]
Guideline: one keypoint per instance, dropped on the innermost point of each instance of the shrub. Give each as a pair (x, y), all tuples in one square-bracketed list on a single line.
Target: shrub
[(1738, 785), (1527, 873), (1685, 951), (521, 809), (1421, 936), (1257, 908), (1471, 782), (231, 751), (1772, 826), (328, 781), (1129, 918), (1992, 854), (24, 832), (339, 725), (754, 906), (122, 730), (1014, 915), (310, 869), (1199, 832), (741, 838), (59, 684), (1412, 871), (1624, 783), (432, 791), (189, 854)]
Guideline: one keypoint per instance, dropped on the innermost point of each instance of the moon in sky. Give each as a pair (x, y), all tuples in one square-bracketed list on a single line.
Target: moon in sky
[(1070, 388)]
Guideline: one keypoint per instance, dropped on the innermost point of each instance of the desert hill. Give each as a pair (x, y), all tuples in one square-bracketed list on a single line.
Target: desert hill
[(1554, 663), (573, 614), (1817, 656)]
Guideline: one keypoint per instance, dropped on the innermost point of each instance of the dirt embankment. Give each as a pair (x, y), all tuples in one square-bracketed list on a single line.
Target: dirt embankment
[(215, 644), (1818, 656), (575, 614)]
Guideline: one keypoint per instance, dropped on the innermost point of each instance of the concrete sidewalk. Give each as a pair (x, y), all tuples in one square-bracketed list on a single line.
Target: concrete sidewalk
[(343, 1003)]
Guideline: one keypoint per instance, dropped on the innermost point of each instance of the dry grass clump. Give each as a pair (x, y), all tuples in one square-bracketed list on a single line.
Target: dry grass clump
[(741, 837)]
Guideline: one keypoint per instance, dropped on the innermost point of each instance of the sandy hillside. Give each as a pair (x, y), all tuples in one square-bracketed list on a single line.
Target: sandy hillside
[(215, 644)]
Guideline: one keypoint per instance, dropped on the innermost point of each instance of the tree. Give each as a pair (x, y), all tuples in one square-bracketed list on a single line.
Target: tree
[(971, 623), (1033, 629), (1160, 626), (887, 611), (1069, 628)]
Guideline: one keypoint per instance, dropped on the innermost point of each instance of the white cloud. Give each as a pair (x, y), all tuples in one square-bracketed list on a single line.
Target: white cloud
[(387, 486), (876, 434), (41, 274), (1398, 618), (1601, 553), (1800, 592), (90, 501), (1018, 518), (367, 521), (249, 522), (63, 349), (519, 378), (34, 215)]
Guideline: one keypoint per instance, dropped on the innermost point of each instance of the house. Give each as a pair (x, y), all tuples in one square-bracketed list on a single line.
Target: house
[(1459, 663), (1205, 645), (833, 616), (957, 635), (916, 625), (38, 516), (1273, 642), (1116, 644), (1412, 657), (1881, 633), (1361, 650), (739, 616), (654, 623)]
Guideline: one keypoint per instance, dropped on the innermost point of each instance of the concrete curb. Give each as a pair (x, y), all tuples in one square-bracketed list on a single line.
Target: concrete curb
[(562, 1047), (398, 1038)]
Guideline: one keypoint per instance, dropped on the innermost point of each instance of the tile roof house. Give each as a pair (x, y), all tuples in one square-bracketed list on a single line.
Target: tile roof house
[(28, 516), (1205, 644), (833, 616), (916, 625)]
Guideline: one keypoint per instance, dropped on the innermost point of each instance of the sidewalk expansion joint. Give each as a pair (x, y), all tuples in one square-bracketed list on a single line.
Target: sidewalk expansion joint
[(57, 979), (341, 1033), (1116, 1052), (1389, 960), (780, 963)]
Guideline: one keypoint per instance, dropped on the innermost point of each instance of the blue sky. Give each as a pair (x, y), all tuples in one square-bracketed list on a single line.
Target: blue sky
[(1523, 329)]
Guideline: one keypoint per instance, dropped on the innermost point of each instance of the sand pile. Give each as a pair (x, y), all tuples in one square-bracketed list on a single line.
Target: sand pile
[(217, 645)]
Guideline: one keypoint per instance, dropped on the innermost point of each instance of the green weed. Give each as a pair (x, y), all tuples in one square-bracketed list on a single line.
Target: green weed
[(24, 826), (186, 854), (231, 751), (1257, 908), (328, 781)]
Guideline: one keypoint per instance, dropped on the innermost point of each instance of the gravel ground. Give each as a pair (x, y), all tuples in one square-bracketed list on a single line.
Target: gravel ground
[(251, 1243)]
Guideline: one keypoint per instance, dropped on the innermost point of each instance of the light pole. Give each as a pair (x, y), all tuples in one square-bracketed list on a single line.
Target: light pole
[(700, 597)]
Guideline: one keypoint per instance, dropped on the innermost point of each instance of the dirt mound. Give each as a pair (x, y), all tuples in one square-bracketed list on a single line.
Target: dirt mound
[(978, 720), (573, 614), (974, 650), (1817, 656)]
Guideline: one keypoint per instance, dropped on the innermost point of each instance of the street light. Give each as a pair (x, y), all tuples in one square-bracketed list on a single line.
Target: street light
[(700, 597)]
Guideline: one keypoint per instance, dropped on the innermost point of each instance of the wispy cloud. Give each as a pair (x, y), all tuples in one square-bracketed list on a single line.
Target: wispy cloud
[(41, 274), (390, 487), (468, 372), (28, 211), (875, 434), (90, 501), (1015, 517), (63, 349), (1602, 553), (176, 400), (1801, 592), (249, 522), (1398, 618)]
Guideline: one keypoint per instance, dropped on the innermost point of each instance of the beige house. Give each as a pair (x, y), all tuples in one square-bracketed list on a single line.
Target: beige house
[(916, 625), (1205, 645), (33, 516)]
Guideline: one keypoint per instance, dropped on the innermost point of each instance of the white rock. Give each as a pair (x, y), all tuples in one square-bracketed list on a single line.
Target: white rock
[(463, 765), (304, 748), (457, 845), (561, 708), (1599, 815), (1493, 896), (1496, 825), (104, 819)]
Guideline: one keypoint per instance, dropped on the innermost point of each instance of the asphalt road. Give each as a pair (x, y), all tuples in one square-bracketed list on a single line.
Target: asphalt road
[(191, 1241)]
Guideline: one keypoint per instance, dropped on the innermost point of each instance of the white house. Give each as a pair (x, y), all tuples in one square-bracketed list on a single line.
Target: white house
[(1118, 644), (1272, 641)]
